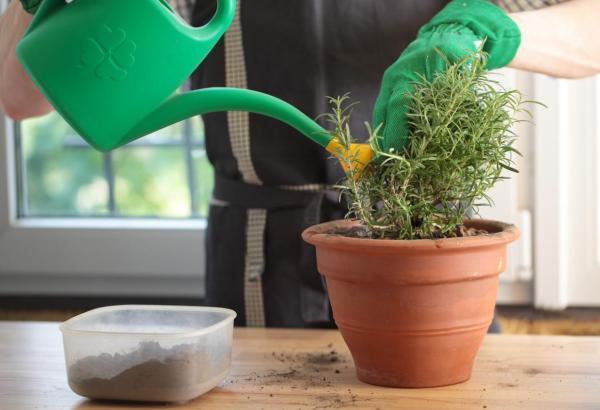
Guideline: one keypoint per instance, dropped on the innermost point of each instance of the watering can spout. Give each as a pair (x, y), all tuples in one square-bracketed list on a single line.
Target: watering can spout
[(185, 105)]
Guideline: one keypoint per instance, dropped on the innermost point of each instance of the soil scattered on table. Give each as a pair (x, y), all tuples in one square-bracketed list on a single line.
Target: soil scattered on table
[(532, 371), (507, 385), (304, 371)]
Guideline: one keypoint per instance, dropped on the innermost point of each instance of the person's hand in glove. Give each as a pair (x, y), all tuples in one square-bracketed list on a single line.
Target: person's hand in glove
[(455, 32)]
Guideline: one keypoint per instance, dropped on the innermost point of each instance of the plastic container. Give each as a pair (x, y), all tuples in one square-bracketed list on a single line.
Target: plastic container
[(148, 353)]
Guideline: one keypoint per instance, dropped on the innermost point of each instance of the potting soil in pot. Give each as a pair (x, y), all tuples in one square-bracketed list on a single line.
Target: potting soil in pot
[(150, 373), (363, 232)]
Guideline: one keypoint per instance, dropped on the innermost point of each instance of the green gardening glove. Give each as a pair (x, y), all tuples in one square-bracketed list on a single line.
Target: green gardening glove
[(456, 31)]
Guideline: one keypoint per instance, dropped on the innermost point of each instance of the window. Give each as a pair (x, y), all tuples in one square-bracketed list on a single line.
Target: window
[(75, 221), (165, 174)]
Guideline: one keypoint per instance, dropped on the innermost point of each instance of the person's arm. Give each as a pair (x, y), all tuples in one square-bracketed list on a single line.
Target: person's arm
[(19, 98), (560, 40)]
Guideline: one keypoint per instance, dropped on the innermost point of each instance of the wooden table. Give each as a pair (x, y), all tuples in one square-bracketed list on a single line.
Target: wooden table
[(312, 369)]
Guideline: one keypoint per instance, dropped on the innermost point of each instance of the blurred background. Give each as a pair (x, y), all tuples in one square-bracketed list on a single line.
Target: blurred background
[(81, 229), (165, 175)]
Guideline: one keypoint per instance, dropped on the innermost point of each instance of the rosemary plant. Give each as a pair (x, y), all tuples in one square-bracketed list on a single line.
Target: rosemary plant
[(460, 142)]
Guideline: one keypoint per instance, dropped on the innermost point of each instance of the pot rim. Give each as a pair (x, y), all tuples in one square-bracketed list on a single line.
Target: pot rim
[(503, 233)]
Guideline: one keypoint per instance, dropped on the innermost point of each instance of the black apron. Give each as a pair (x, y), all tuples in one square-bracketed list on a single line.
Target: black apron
[(270, 180)]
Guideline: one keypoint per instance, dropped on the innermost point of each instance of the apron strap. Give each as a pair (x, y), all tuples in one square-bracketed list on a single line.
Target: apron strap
[(238, 193), (249, 193), (239, 137)]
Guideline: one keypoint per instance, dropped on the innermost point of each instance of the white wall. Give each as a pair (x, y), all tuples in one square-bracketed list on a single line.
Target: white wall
[(566, 193)]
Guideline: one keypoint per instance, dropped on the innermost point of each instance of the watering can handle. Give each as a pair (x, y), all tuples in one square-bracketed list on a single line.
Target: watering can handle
[(46, 8), (214, 29), (219, 23)]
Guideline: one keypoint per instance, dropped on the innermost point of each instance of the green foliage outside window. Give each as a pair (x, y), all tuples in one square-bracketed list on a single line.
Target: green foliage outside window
[(62, 176)]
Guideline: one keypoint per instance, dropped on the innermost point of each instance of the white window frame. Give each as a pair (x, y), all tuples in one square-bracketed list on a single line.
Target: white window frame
[(88, 256)]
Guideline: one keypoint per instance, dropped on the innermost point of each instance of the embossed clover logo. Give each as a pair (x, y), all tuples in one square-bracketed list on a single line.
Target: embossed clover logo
[(109, 53)]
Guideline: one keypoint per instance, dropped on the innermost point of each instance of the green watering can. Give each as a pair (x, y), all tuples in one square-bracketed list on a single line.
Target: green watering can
[(111, 68)]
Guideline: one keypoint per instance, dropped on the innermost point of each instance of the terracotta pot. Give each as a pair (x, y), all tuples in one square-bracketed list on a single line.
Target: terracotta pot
[(413, 313)]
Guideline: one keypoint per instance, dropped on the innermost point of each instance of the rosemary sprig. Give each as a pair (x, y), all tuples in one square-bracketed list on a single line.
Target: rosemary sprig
[(460, 142)]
